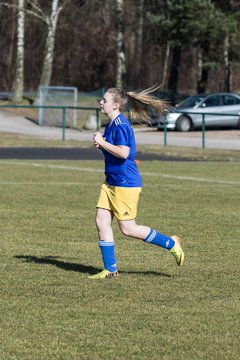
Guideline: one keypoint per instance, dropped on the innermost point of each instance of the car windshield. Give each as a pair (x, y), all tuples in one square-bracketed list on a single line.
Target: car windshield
[(191, 101)]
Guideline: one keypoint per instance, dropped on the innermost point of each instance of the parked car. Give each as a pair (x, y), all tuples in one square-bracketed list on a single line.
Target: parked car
[(181, 119)]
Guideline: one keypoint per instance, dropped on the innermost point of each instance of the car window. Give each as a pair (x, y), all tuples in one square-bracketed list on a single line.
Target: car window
[(191, 101), (213, 100), (230, 100)]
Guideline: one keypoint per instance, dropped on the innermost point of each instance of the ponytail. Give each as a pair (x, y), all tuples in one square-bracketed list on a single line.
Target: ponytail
[(142, 103)]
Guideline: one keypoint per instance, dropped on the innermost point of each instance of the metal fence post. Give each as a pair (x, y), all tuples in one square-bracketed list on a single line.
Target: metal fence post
[(97, 117), (41, 108), (165, 131), (63, 123), (203, 131)]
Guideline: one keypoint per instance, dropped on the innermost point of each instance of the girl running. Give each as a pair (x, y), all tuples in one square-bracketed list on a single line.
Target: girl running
[(119, 194)]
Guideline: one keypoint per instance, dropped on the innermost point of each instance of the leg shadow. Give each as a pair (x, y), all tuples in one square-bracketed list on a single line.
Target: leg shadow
[(54, 261), (84, 269), (148, 273)]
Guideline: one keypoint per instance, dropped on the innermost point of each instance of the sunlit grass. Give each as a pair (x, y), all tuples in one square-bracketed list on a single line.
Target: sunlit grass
[(50, 310)]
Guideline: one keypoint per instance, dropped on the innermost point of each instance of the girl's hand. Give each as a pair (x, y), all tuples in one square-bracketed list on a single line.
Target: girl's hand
[(120, 151), (97, 139)]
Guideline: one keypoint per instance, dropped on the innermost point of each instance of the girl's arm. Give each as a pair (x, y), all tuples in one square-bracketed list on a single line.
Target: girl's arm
[(119, 151)]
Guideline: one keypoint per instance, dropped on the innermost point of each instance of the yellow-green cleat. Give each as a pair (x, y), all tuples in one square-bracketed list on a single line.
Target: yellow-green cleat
[(105, 274), (177, 250)]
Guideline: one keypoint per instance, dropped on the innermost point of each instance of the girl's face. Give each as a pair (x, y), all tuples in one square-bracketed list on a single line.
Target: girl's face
[(107, 104)]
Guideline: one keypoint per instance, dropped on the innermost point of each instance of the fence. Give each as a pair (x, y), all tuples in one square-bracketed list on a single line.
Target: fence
[(63, 108), (97, 110), (203, 128)]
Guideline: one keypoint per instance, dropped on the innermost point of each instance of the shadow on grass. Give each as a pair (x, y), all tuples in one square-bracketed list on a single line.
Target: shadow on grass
[(54, 260), (85, 269)]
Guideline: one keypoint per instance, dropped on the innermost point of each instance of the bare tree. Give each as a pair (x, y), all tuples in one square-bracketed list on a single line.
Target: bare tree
[(18, 83), (50, 43), (18, 87), (227, 66), (51, 22), (121, 66)]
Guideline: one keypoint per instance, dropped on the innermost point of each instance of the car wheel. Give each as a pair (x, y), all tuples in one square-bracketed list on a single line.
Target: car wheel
[(184, 123)]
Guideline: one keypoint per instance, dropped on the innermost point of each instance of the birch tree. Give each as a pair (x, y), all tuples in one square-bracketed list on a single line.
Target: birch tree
[(50, 43), (34, 9), (18, 84), (121, 66), (227, 66), (51, 22)]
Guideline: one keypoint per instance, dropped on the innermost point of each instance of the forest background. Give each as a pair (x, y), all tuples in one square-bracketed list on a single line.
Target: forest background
[(188, 46)]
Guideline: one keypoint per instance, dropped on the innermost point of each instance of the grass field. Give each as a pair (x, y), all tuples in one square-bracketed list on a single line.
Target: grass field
[(51, 310)]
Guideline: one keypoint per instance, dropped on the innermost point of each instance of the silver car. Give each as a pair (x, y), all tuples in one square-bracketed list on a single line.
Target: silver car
[(182, 119)]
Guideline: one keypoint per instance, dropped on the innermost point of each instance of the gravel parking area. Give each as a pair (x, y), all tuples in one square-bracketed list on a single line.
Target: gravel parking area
[(218, 139)]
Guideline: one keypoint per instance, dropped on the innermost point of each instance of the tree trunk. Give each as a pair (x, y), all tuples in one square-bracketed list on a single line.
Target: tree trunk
[(19, 75), (139, 42), (121, 66), (174, 70), (227, 67), (203, 74), (199, 69), (49, 47), (202, 83), (165, 66)]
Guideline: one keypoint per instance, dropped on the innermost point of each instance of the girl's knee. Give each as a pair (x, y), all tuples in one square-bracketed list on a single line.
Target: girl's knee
[(100, 224), (125, 230)]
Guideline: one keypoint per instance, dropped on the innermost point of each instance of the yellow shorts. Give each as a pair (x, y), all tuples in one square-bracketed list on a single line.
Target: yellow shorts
[(122, 201)]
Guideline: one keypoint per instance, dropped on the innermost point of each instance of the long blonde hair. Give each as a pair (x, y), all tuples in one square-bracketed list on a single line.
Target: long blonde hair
[(141, 104)]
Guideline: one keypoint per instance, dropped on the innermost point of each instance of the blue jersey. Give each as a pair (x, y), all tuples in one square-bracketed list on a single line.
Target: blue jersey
[(121, 172)]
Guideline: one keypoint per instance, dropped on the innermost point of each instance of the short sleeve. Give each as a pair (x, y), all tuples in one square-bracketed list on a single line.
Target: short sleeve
[(122, 136)]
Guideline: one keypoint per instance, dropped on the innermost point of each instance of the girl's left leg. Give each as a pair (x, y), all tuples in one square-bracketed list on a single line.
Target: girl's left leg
[(151, 236)]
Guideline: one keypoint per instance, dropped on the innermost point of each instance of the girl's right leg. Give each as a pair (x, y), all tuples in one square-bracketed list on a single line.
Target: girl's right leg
[(104, 219)]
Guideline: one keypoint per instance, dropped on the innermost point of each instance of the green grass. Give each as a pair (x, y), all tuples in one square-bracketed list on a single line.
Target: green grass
[(51, 310), (196, 153), (18, 140)]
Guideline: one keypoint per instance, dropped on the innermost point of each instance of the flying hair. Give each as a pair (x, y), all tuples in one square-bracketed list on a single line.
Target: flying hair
[(141, 103)]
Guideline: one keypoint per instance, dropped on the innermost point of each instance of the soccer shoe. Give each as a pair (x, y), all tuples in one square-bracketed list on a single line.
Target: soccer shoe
[(104, 274), (177, 250)]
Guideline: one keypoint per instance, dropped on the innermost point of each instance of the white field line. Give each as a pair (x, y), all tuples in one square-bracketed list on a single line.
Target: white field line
[(37, 183), (75, 168), (54, 183), (214, 181)]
